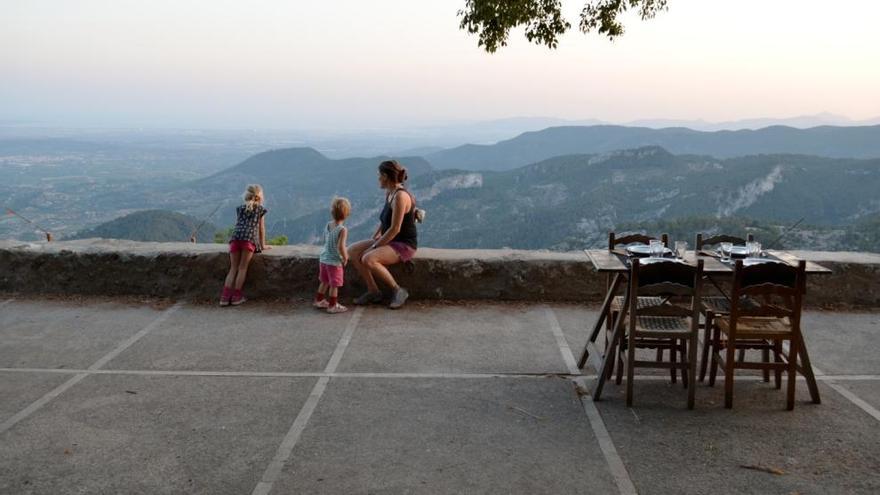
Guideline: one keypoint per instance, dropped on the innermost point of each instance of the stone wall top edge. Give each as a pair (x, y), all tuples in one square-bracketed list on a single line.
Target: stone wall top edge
[(98, 246)]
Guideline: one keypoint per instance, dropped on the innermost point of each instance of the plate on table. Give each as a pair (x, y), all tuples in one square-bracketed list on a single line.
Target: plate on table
[(758, 261), (649, 260), (643, 250), (737, 251)]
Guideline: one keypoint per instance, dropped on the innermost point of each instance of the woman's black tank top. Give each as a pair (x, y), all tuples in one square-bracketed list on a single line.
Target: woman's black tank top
[(408, 234)]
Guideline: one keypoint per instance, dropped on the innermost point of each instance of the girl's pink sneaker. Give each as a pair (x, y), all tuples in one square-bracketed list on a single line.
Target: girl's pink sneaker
[(225, 296), (237, 298)]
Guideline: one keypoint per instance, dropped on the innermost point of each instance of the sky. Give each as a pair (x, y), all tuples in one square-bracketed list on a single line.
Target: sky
[(348, 64)]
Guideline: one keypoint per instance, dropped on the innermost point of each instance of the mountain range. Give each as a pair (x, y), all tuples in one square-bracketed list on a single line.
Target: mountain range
[(568, 202), (152, 225), (538, 191), (297, 181), (532, 147)]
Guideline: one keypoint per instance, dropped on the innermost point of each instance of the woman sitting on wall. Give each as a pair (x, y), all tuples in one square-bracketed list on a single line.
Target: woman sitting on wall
[(394, 241)]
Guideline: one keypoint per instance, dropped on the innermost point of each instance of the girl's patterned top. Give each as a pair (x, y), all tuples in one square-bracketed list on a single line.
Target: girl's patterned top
[(248, 224), (330, 254)]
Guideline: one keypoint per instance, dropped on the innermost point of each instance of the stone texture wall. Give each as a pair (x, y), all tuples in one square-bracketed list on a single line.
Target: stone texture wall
[(196, 272)]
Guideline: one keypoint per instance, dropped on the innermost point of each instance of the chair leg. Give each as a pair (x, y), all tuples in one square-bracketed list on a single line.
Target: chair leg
[(672, 359), (692, 369), (777, 358), (765, 356), (716, 349), (794, 347), (707, 330), (742, 355), (729, 363), (684, 360), (630, 368), (807, 369), (609, 316), (612, 355), (620, 366), (610, 351)]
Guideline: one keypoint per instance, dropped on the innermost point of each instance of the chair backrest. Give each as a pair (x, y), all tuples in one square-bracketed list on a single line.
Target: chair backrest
[(775, 290), (666, 278), (614, 241), (718, 239)]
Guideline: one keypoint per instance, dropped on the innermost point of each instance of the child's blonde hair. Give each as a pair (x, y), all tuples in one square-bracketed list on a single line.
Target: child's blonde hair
[(251, 193), (340, 208)]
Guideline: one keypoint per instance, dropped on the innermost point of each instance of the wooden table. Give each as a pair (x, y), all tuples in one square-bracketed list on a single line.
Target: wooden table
[(615, 263)]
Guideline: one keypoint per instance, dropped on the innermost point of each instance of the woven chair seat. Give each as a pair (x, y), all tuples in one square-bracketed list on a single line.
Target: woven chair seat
[(720, 305), (642, 302), (663, 325), (756, 327)]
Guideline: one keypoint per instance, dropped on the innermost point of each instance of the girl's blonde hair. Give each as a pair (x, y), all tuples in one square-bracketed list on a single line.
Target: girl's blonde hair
[(251, 193), (340, 208)]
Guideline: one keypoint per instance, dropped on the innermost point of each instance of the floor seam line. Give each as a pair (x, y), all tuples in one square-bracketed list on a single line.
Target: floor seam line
[(564, 348), (347, 374), (134, 338), (55, 392), (615, 464), (285, 449), (843, 391)]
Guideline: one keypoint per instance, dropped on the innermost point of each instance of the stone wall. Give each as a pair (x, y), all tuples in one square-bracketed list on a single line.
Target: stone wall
[(196, 271)]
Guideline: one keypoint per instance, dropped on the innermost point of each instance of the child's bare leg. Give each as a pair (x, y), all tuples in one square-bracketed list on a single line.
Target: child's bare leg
[(321, 295), (234, 259), (243, 264), (333, 301)]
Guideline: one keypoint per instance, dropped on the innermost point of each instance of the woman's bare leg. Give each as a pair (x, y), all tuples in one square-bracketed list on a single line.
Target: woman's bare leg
[(356, 252), (376, 261)]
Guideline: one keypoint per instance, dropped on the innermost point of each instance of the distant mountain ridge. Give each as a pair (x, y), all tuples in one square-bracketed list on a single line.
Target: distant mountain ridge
[(532, 147), (151, 225), (562, 203), (571, 202), (297, 182)]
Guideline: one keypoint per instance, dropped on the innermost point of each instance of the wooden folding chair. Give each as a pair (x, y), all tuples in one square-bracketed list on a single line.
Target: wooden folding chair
[(618, 301), (777, 290), (672, 325), (716, 304)]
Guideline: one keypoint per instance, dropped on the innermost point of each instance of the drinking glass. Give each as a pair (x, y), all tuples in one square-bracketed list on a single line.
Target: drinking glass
[(756, 246), (725, 251), (680, 249), (656, 248)]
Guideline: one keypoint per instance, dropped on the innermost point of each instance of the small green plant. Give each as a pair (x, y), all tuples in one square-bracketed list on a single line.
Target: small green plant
[(222, 236), (280, 240)]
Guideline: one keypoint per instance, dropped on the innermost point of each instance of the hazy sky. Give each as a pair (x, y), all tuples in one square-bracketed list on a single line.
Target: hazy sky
[(355, 63)]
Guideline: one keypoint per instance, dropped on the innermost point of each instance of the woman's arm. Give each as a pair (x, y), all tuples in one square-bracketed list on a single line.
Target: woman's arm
[(398, 210), (343, 250)]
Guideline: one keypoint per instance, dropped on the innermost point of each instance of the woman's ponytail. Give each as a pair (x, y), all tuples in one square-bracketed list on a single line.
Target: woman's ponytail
[(394, 171)]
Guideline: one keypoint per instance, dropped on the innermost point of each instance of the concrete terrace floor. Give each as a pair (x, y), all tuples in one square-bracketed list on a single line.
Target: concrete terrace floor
[(112, 396)]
